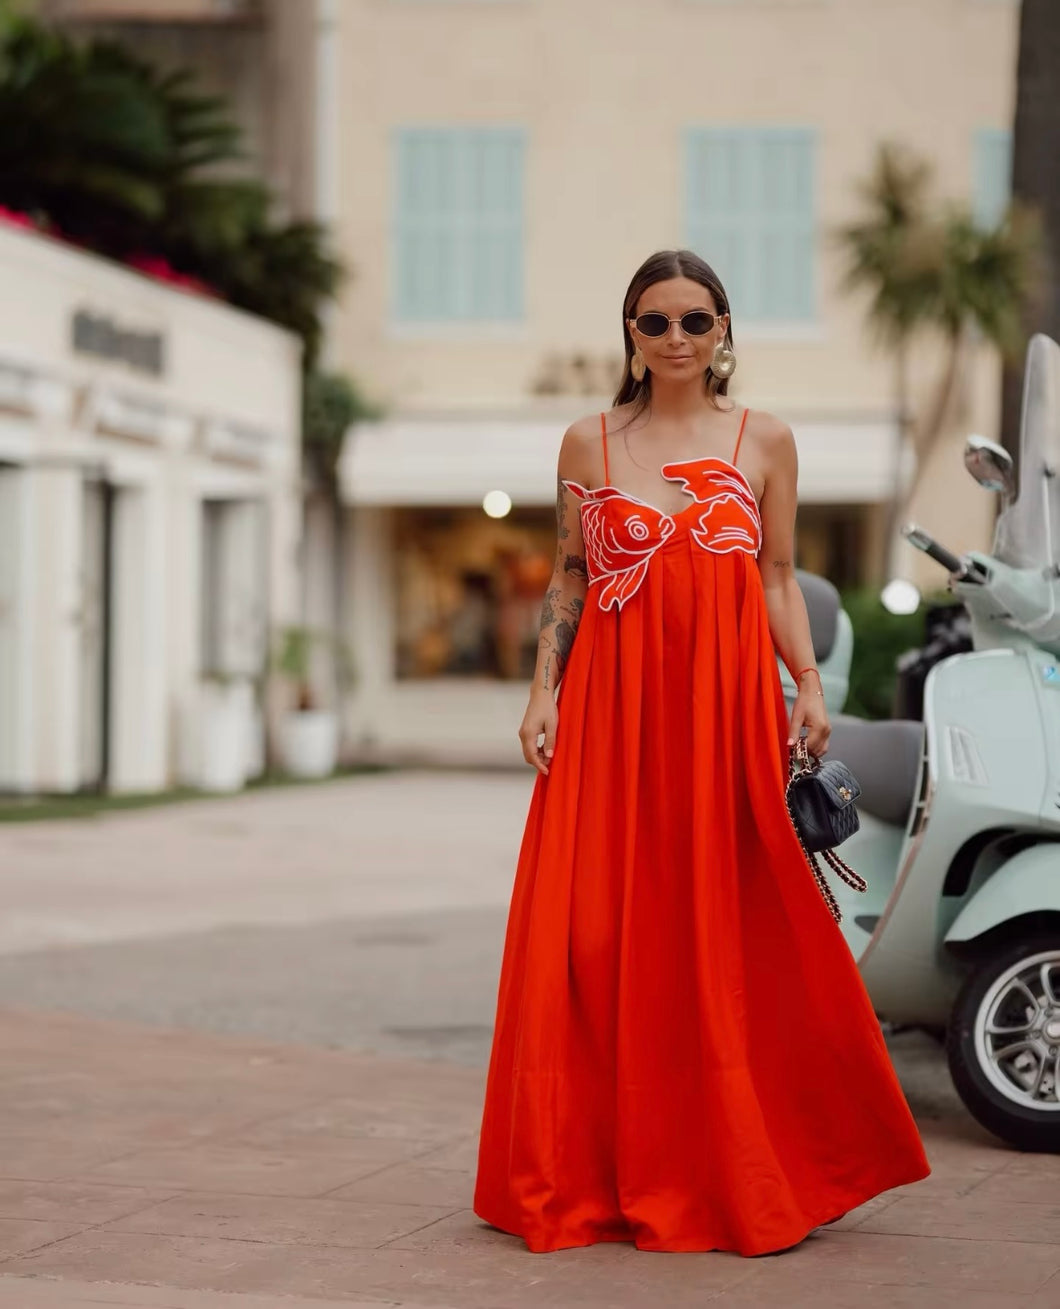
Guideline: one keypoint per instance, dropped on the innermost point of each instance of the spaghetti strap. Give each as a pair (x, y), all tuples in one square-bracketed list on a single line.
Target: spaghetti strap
[(603, 442), (739, 438)]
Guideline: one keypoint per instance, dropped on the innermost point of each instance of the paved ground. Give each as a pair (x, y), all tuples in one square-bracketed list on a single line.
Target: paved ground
[(206, 1098), (367, 914), (373, 845)]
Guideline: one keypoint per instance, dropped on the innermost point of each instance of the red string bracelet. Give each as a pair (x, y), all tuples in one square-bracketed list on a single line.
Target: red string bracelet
[(809, 669)]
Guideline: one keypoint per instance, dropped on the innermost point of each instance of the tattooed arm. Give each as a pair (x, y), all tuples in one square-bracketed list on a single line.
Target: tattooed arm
[(561, 609), (789, 624), (564, 600)]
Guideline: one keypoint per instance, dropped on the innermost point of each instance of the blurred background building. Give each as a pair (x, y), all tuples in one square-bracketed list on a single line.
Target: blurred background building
[(493, 171), (504, 168), (149, 521)]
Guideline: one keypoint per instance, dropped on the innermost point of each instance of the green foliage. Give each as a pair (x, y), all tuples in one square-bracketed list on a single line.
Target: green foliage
[(929, 270), (283, 273), (132, 161), (293, 659), (936, 268), (931, 267), (879, 638), (84, 135), (881, 256), (294, 652), (988, 277), (331, 402)]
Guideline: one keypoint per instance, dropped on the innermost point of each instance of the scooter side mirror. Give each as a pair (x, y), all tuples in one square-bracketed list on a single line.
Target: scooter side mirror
[(990, 464)]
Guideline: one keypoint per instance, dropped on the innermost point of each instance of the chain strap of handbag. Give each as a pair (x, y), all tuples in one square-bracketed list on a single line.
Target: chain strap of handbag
[(820, 801)]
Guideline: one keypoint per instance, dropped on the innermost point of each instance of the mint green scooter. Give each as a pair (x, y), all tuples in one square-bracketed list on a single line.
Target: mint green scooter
[(960, 838)]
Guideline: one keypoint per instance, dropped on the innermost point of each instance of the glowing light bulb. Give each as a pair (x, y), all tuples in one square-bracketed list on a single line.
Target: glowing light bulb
[(900, 597)]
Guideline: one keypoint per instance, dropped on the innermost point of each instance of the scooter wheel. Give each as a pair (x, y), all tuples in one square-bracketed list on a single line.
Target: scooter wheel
[(1003, 1043)]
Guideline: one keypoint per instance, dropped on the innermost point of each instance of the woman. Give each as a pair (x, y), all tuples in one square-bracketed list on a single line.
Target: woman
[(685, 1055)]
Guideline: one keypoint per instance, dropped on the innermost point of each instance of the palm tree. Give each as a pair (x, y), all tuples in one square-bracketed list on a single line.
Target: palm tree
[(85, 142), (883, 257), (934, 273), (132, 161), (1036, 178)]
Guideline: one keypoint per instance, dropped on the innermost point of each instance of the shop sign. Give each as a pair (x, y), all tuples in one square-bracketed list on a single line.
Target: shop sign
[(100, 335)]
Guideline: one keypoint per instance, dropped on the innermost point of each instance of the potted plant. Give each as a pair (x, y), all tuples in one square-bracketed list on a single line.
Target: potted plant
[(308, 735)]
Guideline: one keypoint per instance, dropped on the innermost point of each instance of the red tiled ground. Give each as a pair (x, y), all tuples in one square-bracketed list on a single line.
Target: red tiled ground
[(163, 1169)]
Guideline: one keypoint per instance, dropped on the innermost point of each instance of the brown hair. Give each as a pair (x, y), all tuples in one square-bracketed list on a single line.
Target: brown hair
[(661, 267)]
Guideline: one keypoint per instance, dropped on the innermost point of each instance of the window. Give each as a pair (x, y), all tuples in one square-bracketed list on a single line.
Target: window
[(992, 180), (458, 240), (750, 214)]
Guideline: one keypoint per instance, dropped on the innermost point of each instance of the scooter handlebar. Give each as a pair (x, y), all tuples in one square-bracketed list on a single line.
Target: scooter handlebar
[(927, 543)]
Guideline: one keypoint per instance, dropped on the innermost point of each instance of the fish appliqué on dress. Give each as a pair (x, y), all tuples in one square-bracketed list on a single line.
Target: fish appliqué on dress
[(623, 532)]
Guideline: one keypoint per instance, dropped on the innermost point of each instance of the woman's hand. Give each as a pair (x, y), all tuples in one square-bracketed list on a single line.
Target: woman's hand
[(542, 716), (810, 712)]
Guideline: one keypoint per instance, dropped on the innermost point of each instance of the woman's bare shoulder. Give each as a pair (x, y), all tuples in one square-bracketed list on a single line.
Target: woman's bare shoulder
[(588, 427), (768, 426), (772, 435), (584, 429), (579, 452)]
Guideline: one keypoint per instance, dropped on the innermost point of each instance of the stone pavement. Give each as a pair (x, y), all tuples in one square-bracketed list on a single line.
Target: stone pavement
[(171, 1169), (243, 1045), (384, 844)]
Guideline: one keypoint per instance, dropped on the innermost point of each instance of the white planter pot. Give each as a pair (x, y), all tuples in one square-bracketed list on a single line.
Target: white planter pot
[(220, 728), (309, 743)]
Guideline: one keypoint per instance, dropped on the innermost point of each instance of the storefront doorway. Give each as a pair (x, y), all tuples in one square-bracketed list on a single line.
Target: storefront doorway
[(234, 604), (95, 617)]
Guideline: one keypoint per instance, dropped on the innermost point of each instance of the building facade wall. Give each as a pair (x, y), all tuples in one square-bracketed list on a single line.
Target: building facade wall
[(606, 102), (605, 107), (106, 469), (605, 92)]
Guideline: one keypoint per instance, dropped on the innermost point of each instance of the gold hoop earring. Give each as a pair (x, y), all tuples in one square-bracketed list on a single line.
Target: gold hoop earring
[(637, 366), (723, 364)]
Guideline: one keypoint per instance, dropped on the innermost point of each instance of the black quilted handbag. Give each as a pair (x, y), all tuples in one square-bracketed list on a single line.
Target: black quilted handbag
[(820, 799)]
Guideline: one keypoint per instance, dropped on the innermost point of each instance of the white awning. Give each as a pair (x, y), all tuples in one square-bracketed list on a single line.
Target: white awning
[(435, 460)]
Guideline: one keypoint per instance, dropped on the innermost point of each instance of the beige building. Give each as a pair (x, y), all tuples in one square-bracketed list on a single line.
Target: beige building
[(495, 170), (504, 166)]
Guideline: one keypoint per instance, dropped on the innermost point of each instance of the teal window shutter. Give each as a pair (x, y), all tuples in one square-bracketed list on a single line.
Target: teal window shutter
[(993, 175), (750, 213), (458, 224)]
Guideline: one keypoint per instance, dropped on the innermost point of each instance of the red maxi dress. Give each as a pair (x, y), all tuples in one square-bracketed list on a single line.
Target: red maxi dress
[(684, 1055)]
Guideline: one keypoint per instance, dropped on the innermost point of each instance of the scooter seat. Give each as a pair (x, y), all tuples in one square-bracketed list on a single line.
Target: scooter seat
[(885, 758)]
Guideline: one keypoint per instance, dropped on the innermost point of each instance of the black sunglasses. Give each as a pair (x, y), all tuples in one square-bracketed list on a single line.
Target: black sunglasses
[(697, 322)]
